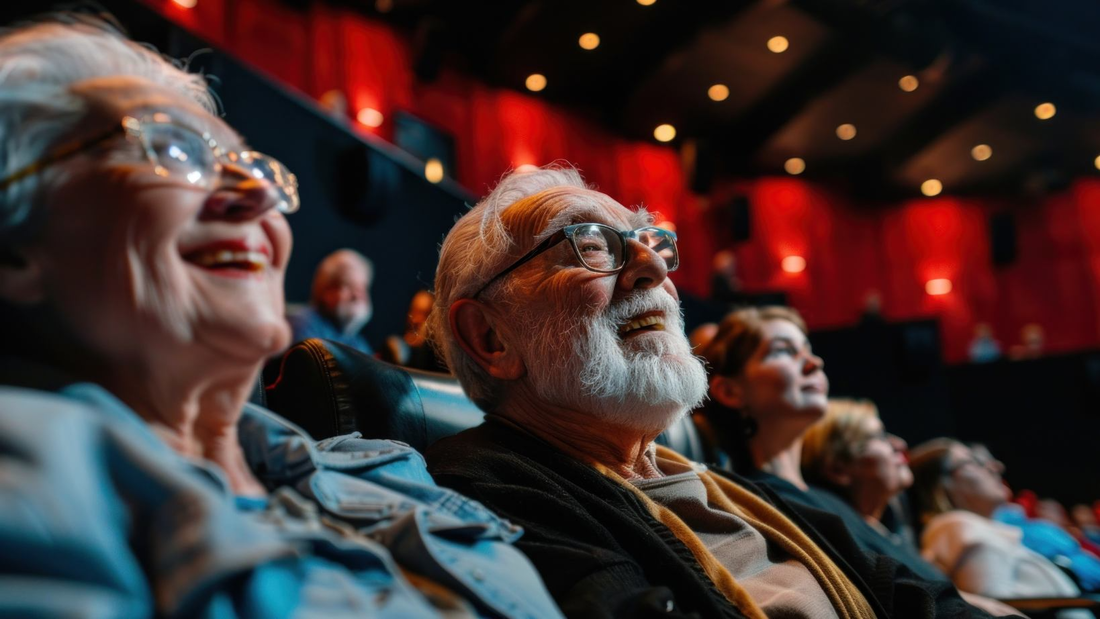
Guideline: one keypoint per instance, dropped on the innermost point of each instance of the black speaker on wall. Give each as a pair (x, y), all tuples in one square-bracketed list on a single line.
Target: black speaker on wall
[(1002, 238), (741, 218)]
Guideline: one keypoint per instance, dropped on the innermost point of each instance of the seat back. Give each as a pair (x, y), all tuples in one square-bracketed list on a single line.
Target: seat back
[(328, 389)]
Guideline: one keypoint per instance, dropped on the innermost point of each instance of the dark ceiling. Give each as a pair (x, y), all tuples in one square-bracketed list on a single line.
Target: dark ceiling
[(982, 65)]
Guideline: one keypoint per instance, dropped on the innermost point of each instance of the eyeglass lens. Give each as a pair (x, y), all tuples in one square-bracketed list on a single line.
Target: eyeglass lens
[(601, 248), (182, 153)]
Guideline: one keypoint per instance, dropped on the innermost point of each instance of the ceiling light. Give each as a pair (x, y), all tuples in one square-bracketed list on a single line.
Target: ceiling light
[(1096, 162), (778, 44), (370, 117), (187, 4), (931, 187), (646, 2), (937, 287), (793, 264), (536, 82), (433, 170), (795, 166), (981, 152), (718, 92), (1045, 111), (909, 83), (589, 41), (846, 131), (664, 133)]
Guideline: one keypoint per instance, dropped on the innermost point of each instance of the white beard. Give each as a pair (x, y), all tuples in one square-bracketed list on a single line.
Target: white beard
[(645, 384)]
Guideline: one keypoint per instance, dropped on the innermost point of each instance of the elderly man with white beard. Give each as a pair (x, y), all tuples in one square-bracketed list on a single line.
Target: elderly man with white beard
[(554, 308)]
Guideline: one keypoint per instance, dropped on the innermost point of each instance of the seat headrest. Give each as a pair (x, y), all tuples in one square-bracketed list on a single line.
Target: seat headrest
[(329, 389)]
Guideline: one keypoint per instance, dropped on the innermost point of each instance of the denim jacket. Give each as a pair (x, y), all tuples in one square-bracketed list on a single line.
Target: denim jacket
[(100, 518)]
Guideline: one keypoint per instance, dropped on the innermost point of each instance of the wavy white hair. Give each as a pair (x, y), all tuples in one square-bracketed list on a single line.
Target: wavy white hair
[(40, 63), (478, 247)]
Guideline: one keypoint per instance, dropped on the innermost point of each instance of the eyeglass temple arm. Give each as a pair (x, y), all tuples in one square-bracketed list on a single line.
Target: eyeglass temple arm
[(58, 155), (550, 241)]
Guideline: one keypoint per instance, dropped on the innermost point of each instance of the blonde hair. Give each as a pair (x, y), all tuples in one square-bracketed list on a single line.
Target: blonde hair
[(833, 439)]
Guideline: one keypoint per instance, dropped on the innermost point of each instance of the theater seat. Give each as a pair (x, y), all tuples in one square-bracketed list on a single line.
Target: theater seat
[(329, 389)]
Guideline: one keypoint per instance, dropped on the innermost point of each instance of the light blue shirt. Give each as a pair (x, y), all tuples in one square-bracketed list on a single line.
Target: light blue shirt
[(99, 518), (307, 323)]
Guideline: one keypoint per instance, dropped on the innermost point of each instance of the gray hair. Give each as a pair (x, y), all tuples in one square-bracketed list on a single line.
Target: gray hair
[(476, 249), (325, 268), (40, 63)]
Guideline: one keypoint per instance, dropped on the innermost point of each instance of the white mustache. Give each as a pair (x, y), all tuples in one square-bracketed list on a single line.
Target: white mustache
[(654, 299)]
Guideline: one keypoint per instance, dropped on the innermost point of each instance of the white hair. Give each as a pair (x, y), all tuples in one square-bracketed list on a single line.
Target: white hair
[(477, 248), (40, 63)]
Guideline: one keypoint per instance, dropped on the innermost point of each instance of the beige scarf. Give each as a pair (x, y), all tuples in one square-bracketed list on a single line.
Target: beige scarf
[(773, 525)]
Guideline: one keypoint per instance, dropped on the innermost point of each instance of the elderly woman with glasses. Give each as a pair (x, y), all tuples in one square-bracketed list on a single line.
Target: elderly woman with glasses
[(142, 254), (955, 493)]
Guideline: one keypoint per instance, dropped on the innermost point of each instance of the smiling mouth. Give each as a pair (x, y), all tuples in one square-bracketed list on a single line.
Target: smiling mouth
[(641, 325), (230, 261)]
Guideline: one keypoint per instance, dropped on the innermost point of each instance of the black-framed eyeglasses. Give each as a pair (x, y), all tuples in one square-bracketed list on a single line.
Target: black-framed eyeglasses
[(601, 248), (178, 151)]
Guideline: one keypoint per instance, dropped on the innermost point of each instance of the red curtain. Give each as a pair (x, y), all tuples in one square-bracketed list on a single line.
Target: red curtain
[(849, 252)]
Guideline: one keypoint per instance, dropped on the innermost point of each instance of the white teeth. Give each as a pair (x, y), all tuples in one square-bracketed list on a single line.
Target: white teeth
[(255, 260), (648, 321)]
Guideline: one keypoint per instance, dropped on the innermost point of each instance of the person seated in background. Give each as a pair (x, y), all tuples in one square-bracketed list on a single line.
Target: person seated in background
[(555, 311), (767, 390), (1084, 519), (1048, 534), (702, 335), (143, 248), (954, 497), (412, 349), (849, 453), (339, 304), (983, 348)]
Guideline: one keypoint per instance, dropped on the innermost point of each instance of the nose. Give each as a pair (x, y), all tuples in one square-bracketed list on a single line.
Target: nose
[(240, 197), (813, 363), (897, 443), (643, 269)]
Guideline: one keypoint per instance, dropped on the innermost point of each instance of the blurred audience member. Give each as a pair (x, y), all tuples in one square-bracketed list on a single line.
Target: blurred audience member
[(336, 104), (702, 335), (872, 309), (1032, 342), (411, 349), (1048, 534), (850, 453), (144, 248), (983, 348), (725, 287), (1085, 520), (767, 389), (955, 496), (340, 304)]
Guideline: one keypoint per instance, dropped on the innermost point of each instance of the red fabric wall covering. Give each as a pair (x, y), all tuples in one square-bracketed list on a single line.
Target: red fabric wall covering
[(849, 251)]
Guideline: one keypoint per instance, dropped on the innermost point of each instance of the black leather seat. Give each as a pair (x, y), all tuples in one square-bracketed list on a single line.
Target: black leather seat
[(329, 389)]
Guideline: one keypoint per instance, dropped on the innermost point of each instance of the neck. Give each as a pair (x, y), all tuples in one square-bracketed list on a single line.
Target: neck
[(786, 464), (870, 507), (581, 435), (195, 415), (777, 449)]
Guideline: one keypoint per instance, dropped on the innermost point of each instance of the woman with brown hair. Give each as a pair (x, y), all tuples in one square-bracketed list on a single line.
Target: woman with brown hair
[(767, 388)]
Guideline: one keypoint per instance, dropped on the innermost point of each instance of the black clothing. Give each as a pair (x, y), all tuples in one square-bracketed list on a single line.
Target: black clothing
[(864, 534), (602, 554)]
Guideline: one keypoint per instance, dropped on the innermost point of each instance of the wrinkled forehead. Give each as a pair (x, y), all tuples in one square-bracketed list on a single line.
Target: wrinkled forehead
[(108, 99), (780, 328), (537, 216)]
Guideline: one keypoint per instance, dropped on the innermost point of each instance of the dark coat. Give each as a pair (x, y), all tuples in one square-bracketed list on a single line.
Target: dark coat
[(602, 554)]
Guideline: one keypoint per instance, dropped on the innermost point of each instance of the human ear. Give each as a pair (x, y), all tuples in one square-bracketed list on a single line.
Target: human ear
[(20, 277), (474, 329), (727, 391)]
